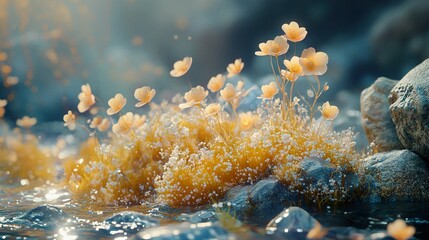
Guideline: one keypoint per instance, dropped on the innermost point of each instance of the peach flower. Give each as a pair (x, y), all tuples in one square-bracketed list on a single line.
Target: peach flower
[(212, 109), (269, 90), (248, 120), (293, 32), (180, 68), (139, 120), (288, 75), (313, 63), (216, 83), (86, 99), (235, 68), (294, 66), (228, 93), (26, 122), (116, 104), (95, 122), (194, 97), (3, 103), (70, 120), (276, 47), (329, 112), (104, 125), (399, 230), (144, 95), (125, 123)]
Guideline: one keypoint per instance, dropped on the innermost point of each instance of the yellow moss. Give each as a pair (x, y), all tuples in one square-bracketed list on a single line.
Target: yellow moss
[(21, 157), (123, 171)]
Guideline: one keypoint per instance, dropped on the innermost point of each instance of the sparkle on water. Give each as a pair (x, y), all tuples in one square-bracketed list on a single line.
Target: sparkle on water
[(67, 220)]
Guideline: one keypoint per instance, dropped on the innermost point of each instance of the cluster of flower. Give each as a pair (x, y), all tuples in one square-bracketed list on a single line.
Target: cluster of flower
[(201, 149)]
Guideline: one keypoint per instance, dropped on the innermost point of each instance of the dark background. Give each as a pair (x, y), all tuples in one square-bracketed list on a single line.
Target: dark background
[(55, 46)]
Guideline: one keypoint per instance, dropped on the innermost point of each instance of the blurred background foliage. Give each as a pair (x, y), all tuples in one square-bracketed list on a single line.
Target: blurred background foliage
[(55, 46)]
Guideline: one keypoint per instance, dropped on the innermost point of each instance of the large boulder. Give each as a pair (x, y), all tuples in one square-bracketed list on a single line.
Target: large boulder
[(376, 119), (409, 107), (400, 175)]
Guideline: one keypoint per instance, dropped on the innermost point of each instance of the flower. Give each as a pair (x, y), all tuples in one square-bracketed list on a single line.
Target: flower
[(293, 65), (86, 98), (125, 123), (313, 63), (95, 122), (11, 81), (216, 83), (138, 120), (144, 95), (70, 120), (329, 112), (3, 103), (325, 87), (276, 47), (2, 112), (228, 93), (104, 125), (194, 97), (293, 32), (288, 75), (212, 109), (399, 230), (26, 122), (247, 120), (181, 67), (235, 68), (269, 90), (116, 104)]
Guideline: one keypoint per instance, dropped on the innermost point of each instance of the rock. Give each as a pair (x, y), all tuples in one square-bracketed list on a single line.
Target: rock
[(293, 222), (199, 217), (207, 230), (316, 170), (267, 198), (376, 119), (409, 107), (45, 216), (400, 175), (131, 222)]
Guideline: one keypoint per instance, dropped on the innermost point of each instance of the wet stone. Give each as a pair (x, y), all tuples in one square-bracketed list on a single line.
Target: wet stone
[(238, 197), (199, 217), (293, 222), (45, 216), (131, 222), (267, 198), (401, 175), (208, 230), (316, 170)]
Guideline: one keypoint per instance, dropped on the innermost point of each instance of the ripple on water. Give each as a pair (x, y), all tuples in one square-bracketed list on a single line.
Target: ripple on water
[(47, 212)]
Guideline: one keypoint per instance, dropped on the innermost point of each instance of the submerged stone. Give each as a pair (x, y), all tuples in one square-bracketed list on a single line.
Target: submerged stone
[(199, 217), (376, 119), (267, 198), (208, 230), (45, 216), (409, 107), (131, 222), (316, 170), (293, 222), (399, 175)]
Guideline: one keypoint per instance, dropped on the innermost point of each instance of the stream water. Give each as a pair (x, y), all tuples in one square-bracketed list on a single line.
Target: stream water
[(48, 213)]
